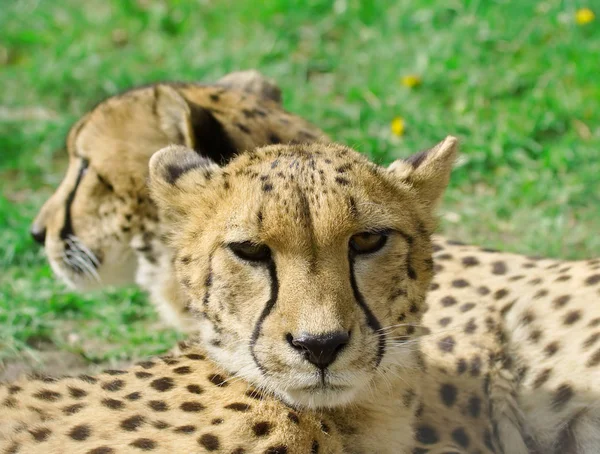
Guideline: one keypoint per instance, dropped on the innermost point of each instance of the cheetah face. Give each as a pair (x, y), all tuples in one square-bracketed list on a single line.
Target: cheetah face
[(307, 266), (102, 203)]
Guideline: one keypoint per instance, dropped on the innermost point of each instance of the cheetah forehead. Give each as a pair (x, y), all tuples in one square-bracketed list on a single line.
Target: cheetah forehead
[(328, 189)]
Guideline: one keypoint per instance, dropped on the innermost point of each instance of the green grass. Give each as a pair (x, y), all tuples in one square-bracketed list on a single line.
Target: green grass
[(517, 80)]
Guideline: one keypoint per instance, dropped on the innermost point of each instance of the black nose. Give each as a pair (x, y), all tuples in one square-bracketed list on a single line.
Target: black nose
[(322, 349), (38, 233)]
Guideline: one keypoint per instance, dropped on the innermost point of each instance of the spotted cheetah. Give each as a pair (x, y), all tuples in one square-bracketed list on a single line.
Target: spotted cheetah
[(307, 268), (100, 227)]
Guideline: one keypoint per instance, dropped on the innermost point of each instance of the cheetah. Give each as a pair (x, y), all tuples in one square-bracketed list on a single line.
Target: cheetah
[(100, 227), (307, 268)]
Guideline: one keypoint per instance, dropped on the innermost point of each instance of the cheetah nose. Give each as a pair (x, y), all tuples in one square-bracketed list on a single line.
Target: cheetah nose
[(322, 349), (38, 233)]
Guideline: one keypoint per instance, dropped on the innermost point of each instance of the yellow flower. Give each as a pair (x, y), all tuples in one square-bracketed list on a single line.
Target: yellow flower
[(411, 81), (397, 126), (584, 16)]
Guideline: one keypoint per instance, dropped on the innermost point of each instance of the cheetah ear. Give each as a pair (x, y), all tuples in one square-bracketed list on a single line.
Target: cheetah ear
[(177, 175), (428, 171), (252, 81), (174, 115)]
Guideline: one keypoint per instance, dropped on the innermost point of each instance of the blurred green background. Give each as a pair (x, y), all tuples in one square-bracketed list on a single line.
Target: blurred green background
[(516, 80)]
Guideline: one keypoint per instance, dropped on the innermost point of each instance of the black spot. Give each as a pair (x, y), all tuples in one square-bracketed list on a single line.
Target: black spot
[(133, 423), (426, 435), (293, 417), (112, 386), (209, 441), (542, 378), (446, 344), (216, 421), (448, 394), (474, 406), (551, 348), (561, 301), (591, 340), (80, 432), (482, 290), (40, 434), (195, 356), (471, 326), (460, 436), (342, 181), (445, 321), (145, 444), (572, 317), (499, 294), (133, 396), (499, 267), (142, 375), (594, 359), (467, 307), (113, 404), (72, 409), (161, 424), (470, 261), (101, 450), (535, 335), (460, 283), (562, 396), (262, 429), (188, 429), (475, 366), (192, 407), (267, 187), (147, 364), (76, 393), (593, 279), (448, 301), (217, 380), (47, 395), (115, 372), (158, 405), (238, 406), (163, 384)]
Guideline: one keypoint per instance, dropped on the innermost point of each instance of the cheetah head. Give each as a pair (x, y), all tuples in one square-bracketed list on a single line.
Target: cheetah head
[(88, 223), (307, 265)]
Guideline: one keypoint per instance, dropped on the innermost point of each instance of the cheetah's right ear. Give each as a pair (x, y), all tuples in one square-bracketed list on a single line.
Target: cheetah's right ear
[(177, 174), (428, 172)]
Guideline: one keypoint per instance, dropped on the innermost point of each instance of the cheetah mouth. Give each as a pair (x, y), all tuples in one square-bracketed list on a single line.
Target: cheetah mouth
[(324, 387)]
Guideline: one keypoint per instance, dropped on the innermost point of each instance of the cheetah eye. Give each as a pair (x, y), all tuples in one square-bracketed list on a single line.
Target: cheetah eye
[(252, 252), (367, 242)]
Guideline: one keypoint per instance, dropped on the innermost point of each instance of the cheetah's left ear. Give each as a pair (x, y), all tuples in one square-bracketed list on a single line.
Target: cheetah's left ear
[(428, 172), (177, 174)]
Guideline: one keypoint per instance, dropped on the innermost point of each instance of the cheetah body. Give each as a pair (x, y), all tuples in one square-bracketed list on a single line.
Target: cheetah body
[(476, 369)]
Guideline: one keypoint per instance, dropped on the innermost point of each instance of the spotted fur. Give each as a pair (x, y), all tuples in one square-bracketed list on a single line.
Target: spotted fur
[(503, 358)]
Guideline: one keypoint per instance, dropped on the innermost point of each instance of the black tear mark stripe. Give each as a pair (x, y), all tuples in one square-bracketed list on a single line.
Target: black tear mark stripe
[(265, 313), (67, 229), (371, 319), (210, 138)]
